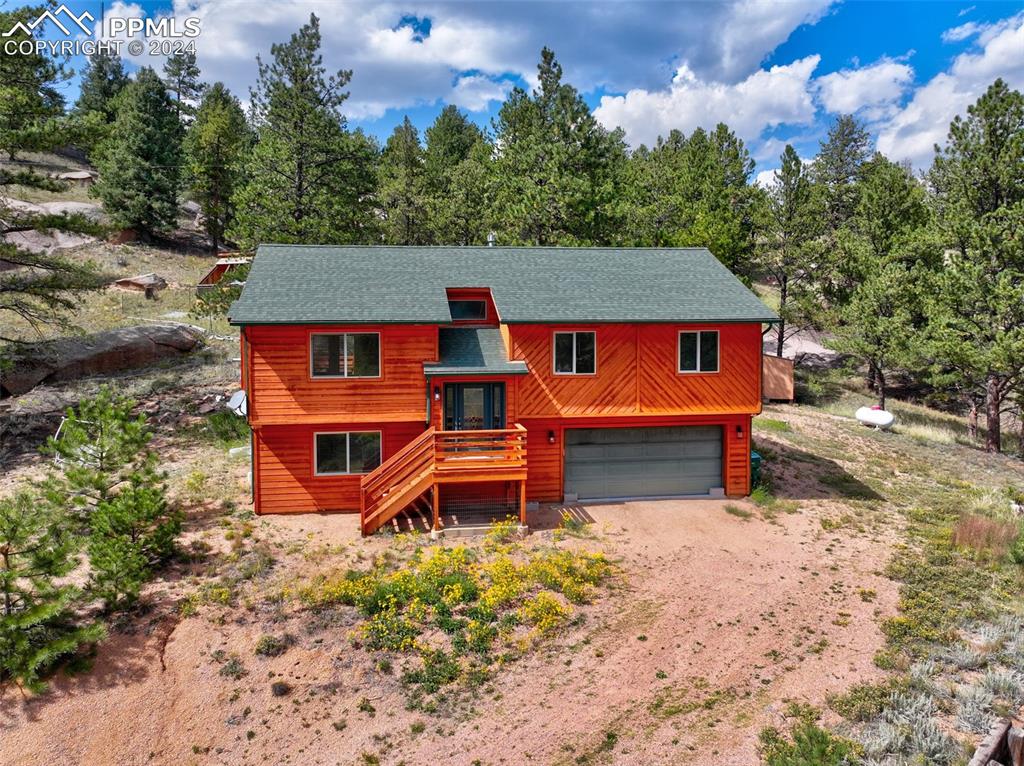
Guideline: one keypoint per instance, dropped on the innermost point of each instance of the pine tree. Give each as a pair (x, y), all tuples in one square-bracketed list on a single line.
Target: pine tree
[(102, 80), (31, 103), (976, 308), (38, 625), (461, 214), (308, 179), (36, 288), (102, 449), (132, 533), (215, 148), (556, 170), (457, 170), (181, 75), (837, 168), (401, 190), (449, 141), (788, 250), (139, 162), (692, 191), (890, 258)]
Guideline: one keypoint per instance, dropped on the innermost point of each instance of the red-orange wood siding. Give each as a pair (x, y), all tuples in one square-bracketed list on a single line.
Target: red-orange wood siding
[(636, 385), (284, 467), (637, 373), (284, 392)]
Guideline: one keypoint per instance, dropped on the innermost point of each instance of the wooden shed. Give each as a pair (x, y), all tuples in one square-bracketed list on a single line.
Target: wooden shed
[(777, 378)]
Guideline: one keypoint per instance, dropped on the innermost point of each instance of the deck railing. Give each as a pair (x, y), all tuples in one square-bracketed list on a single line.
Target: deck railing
[(436, 457)]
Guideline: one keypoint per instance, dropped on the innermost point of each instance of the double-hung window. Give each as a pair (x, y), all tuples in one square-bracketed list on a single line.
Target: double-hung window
[(337, 454), (698, 351), (344, 355), (576, 353)]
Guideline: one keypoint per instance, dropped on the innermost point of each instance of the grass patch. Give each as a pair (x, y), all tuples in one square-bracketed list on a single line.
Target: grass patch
[(225, 429), (771, 424), (740, 513)]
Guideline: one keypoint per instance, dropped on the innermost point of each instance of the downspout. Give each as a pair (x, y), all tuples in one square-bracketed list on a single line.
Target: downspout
[(760, 364), (429, 402)]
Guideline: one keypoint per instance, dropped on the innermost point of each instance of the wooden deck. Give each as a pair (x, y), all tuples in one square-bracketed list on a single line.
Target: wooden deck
[(436, 458)]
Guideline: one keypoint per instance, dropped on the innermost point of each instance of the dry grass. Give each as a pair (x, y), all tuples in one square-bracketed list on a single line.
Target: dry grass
[(990, 538), (928, 434)]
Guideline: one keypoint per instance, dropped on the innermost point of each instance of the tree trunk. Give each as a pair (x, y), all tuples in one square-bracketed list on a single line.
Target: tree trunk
[(880, 386), (972, 421), (993, 402), (783, 297)]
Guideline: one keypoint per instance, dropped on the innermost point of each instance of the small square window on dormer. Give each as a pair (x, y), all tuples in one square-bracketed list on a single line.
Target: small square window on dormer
[(468, 310)]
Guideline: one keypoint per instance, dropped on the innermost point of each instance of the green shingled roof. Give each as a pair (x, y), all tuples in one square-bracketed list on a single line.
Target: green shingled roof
[(300, 284), (473, 351)]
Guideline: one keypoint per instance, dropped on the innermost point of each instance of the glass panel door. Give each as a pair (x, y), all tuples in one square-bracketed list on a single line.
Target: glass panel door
[(474, 406)]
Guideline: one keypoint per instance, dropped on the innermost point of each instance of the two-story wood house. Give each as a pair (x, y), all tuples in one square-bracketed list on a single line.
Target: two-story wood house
[(380, 377)]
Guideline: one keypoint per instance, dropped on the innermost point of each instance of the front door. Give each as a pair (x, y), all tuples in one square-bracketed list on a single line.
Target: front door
[(474, 406)]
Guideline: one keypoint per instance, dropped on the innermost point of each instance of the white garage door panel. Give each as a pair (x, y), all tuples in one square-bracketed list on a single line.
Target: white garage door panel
[(643, 462)]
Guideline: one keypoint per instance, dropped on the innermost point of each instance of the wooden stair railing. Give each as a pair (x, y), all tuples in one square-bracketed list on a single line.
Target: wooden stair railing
[(408, 472), (436, 457)]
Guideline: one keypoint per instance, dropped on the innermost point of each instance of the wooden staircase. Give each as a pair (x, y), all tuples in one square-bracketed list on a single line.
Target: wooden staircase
[(437, 457)]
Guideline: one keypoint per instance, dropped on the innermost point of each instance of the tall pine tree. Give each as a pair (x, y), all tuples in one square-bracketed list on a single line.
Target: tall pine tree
[(139, 161), (215, 149), (102, 80), (308, 179), (976, 308), (788, 250), (181, 75), (557, 170), (30, 90), (401, 190)]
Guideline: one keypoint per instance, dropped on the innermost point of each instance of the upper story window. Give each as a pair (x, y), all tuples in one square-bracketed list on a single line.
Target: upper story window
[(344, 355), (468, 310), (338, 454), (698, 351), (576, 353)]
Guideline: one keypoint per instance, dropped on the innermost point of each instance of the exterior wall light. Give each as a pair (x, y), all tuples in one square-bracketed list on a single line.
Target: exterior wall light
[(739, 432), (551, 437), (437, 393)]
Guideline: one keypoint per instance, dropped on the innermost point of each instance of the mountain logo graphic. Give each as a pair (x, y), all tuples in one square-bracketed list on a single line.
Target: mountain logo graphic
[(55, 17)]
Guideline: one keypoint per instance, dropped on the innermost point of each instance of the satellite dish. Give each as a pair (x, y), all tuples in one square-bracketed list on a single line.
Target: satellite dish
[(238, 404)]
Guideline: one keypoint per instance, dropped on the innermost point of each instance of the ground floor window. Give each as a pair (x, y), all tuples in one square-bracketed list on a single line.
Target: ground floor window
[(346, 453)]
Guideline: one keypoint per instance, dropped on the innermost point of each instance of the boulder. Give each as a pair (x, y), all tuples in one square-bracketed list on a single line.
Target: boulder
[(111, 351)]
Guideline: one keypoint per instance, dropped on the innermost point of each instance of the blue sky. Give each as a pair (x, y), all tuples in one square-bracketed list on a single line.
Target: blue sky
[(775, 72)]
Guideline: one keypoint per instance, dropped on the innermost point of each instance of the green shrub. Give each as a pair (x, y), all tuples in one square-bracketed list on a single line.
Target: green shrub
[(808, 745), (1017, 549), (272, 646), (866, 700)]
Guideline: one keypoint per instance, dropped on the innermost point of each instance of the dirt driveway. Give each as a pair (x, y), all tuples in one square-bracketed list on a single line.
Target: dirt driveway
[(719, 618)]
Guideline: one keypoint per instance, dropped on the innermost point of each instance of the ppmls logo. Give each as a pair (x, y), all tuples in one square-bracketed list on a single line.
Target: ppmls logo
[(162, 36), (55, 16)]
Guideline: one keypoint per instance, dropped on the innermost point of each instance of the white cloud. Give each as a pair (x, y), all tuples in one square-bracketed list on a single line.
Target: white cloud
[(480, 46), (766, 98), (914, 130), (874, 88), (765, 179), (474, 93), (962, 32)]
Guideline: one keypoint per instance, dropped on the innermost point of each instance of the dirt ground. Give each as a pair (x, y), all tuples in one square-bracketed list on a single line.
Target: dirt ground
[(716, 621)]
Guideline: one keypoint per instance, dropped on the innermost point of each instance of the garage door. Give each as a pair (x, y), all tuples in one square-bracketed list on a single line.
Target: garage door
[(642, 462)]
